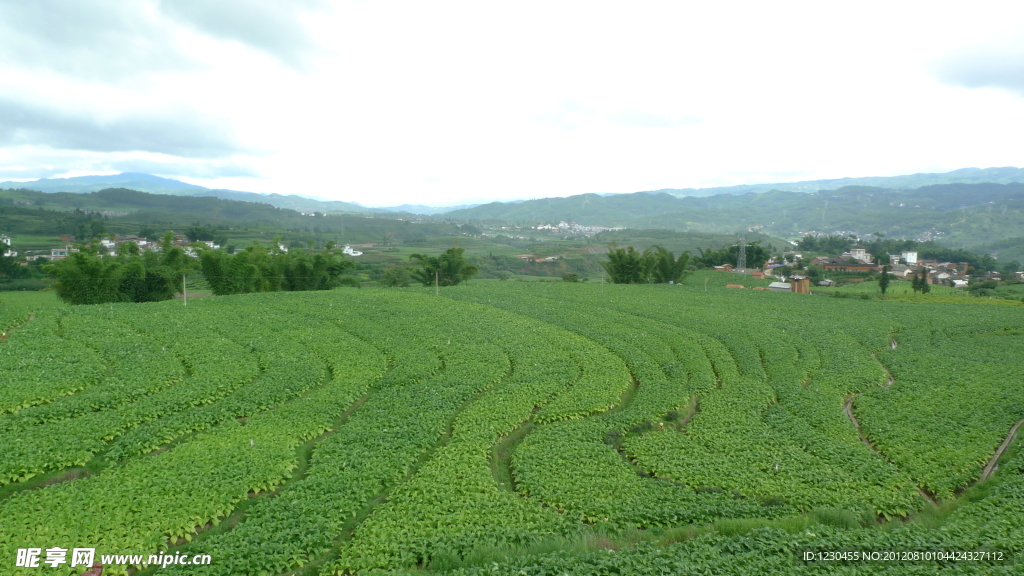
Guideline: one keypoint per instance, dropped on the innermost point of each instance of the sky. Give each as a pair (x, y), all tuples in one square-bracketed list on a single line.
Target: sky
[(441, 103)]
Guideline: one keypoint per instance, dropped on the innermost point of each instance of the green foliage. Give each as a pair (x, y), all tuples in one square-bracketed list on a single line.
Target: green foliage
[(10, 269), (757, 255), (448, 269), (657, 265), (394, 276), (626, 266), (257, 269), (85, 278), (510, 427), (826, 244), (665, 268), (884, 279)]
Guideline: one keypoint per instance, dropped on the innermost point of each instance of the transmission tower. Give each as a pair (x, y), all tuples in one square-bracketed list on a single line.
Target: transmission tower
[(741, 260)]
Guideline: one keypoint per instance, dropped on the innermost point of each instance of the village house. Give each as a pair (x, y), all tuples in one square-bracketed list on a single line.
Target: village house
[(61, 253), (859, 254), (901, 271), (800, 284), (845, 264)]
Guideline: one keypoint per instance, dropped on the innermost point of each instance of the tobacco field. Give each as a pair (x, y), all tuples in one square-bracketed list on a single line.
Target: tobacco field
[(513, 428)]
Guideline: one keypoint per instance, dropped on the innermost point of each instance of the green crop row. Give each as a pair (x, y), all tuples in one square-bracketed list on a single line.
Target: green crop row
[(454, 503), (403, 419), (150, 501), (955, 397), (38, 366)]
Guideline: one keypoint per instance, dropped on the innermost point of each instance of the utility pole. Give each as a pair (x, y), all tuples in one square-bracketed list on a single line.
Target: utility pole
[(184, 291)]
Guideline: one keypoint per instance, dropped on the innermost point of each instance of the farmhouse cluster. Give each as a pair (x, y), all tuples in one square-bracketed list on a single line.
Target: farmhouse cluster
[(112, 244)]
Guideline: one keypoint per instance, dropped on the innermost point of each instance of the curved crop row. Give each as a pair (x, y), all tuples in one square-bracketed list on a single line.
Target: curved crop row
[(37, 365), (149, 502)]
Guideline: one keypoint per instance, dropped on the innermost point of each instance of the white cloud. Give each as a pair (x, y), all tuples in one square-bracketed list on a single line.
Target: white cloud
[(441, 102)]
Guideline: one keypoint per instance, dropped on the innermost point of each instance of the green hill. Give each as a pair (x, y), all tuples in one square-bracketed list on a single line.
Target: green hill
[(957, 214), (37, 218), (158, 185), (962, 176)]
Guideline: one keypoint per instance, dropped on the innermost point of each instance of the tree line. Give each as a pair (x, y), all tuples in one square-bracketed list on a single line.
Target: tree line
[(655, 265), (132, 276), (259, 269)]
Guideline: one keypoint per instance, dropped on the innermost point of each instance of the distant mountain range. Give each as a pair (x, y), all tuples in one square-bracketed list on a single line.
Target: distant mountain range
[(962, 176), (968, 206), (158, 185), (957, 214)]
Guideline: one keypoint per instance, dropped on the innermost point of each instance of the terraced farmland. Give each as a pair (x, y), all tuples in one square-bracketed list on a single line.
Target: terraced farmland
[(507, 428)]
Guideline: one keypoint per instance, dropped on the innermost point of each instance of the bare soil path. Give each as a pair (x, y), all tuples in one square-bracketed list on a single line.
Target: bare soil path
[(993, 463), (848, 410)]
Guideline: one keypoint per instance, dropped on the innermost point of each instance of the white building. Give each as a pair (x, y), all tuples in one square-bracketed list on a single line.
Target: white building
[(860, 254), (910, 257), (59, 253), (5, 239), (348, 250)]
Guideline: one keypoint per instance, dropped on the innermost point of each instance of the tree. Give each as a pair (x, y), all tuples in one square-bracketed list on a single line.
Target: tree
[(11, 269), (167, 241), (664, 267), (625, 266), (883, 280), (757, 255), (448, 269), (84, 278), (395, 276), (657, 265), (915, 284), (256, 269)]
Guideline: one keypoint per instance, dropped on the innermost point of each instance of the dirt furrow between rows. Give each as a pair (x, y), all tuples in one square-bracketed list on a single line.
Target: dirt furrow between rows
[(848, 410), (993, 463)]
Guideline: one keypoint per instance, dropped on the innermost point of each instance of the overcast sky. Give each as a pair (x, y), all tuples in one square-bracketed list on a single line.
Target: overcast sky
[(439, 102)]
